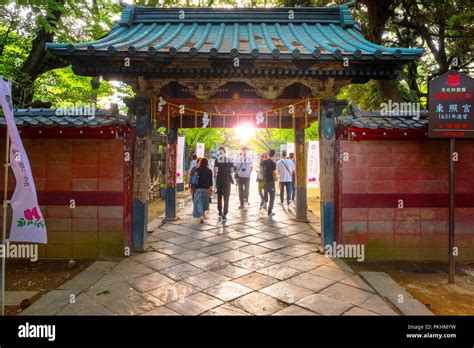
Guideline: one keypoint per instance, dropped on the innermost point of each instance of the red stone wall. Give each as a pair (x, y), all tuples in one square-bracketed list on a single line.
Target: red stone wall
[(90, 171), (379, 173)]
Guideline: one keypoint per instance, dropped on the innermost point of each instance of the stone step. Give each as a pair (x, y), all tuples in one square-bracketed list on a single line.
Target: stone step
[(397, 295)]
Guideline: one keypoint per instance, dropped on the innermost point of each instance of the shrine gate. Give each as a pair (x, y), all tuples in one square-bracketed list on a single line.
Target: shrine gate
[(239, 66)]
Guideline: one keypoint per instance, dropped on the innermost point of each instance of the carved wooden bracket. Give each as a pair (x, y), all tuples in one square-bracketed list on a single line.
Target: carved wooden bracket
[(268, 88), (202, 88), (146, 87)]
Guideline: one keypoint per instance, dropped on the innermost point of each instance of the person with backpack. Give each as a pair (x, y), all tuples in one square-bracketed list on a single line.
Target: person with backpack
[(286, 170), (201, 179), (191, 172), (293, 186)]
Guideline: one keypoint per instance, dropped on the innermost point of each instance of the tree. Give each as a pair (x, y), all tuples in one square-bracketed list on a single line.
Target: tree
[(446, 28), (26, 27)]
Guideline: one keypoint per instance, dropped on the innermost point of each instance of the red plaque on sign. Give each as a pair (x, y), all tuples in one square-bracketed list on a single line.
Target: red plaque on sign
[(451, 113)]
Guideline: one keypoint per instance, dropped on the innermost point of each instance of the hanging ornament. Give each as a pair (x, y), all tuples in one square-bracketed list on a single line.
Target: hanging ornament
[(309, 111), (205, 120), (259, 118), (161, 103)]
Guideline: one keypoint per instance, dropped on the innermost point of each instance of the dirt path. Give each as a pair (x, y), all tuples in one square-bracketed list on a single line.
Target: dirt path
[(427, 282)]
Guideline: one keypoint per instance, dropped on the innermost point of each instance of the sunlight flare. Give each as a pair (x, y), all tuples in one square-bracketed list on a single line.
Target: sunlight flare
[(244, 132)]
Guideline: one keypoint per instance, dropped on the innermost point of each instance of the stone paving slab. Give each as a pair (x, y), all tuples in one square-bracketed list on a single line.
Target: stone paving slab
[(226, 309), (253, 265), (149, 282), (174, 292), (398, 296), (161, 311), (286, 292), (257, 303), (256, 280), (84, 305), (324, 305), (82, 281), (377, 305), (311, 281), (195, 304), (124, 300), (295, 310), (347, 293), (228, 291), (104, 266), (51, 303)]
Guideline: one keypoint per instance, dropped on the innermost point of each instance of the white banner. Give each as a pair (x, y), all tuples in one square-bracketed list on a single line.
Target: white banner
[(27, 221), (290, 148), (200, 150), (180, 160), (313, 164), (282, 148)]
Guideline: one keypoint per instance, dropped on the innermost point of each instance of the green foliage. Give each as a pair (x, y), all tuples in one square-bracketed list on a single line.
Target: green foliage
[(62, 86), (366, 96), (208, 136), (444, 28), (266, 139), (312, 132), (21, 21), (14, 53)]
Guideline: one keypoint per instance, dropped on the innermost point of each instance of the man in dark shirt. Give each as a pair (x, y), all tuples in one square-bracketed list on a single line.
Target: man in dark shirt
[(269, 176), (223, 169)]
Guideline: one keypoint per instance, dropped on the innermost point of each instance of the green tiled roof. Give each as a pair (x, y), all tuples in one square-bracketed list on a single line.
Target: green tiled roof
[(373, 119), (293, 33), (47, 118)]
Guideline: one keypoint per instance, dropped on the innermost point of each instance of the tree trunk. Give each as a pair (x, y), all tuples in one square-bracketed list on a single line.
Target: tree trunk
[(378, 12)]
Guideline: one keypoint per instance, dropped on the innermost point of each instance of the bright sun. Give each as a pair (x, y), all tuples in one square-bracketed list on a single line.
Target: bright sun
[(244, 132)]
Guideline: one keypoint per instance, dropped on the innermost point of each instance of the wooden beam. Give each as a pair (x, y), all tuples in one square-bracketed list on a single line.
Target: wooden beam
[(141, 171), (170, 191), (234, 121), (245, 111), (330, 109)]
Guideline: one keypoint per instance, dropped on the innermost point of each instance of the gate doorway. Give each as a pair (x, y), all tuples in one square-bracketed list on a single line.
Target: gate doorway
[(305, 52)]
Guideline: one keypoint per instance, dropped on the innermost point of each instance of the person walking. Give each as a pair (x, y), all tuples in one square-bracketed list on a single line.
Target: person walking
[(285, 169), (212, 163), (193, 162), (192, 170), (260, 180), (243, 171), (293, 186), (223, 169), (202, 180), (270, 175)]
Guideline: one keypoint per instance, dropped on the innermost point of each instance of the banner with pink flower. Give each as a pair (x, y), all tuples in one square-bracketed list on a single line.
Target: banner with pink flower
[(27, 221), (313, 164), (180, 161)]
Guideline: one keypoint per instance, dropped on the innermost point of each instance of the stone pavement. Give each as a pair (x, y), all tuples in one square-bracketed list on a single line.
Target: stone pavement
[(253, 265)]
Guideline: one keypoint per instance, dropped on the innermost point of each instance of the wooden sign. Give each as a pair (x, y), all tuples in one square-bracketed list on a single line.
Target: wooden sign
[(451, 112)]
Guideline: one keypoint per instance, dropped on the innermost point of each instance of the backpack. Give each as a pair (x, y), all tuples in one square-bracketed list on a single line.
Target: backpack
[(195, 178)]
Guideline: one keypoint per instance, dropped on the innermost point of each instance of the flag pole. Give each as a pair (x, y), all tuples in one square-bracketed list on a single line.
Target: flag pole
[(5, 207)]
